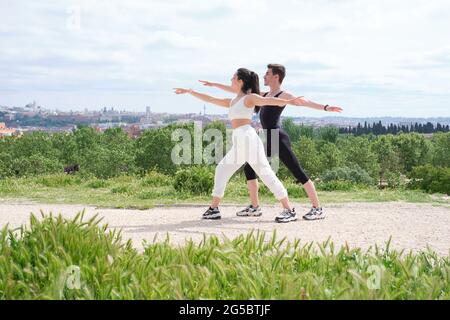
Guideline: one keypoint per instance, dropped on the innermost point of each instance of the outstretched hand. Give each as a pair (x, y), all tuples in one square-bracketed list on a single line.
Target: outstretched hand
[(181, 90), (334, 109), (206, 83)]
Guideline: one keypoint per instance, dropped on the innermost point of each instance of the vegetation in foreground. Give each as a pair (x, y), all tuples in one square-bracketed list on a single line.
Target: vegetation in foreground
[(57, 258)]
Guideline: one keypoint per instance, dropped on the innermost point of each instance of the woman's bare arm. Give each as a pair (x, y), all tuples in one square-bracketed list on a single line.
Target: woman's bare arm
[(218, 85), (256, 100), (204, 97)]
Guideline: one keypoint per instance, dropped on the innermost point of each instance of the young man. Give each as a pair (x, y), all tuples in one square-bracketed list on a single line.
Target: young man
[(270, 120)]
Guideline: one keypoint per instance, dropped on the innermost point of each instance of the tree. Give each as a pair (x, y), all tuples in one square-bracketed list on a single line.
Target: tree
[(154, 148), (357, 151), (328, 133), (414, 150), (388, 158), (329, 157), (441, 149), (306, 152)]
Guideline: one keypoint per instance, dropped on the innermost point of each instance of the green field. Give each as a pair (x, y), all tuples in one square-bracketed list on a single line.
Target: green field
[(146, 192)]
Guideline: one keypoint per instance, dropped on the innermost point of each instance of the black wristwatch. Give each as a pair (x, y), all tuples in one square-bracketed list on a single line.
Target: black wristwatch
[(325, 107)]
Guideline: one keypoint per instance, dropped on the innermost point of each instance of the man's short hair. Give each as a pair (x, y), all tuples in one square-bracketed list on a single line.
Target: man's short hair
[(278, 69)]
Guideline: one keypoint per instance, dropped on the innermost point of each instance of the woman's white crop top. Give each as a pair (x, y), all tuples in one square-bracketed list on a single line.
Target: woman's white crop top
[(238, 110)]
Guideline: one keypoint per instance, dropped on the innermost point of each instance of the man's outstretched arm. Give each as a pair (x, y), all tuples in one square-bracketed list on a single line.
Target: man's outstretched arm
[(312, 104)]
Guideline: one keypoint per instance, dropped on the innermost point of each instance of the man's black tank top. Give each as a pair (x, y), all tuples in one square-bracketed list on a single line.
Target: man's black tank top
[(270, 115)]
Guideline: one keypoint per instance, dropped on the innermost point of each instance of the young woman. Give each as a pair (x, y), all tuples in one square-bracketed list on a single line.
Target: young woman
[(247, 146)]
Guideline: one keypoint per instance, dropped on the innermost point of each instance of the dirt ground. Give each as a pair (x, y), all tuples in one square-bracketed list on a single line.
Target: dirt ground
[(412, 226)]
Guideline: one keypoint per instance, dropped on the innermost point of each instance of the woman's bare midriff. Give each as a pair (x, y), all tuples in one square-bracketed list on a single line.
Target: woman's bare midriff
[(236, 123)]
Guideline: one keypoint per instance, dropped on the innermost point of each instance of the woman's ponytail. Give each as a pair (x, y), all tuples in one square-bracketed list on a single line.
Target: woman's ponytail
[(251, 82)]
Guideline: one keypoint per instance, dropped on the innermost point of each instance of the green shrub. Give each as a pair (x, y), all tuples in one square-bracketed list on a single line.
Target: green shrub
[(338, 185), (35, 164), (194, 180), (155, 179), (295, 190), (393, 179), (355, 175), (431, 179)]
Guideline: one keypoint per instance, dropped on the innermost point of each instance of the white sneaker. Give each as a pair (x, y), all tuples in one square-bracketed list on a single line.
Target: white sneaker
[(315, 214), (250, 211), (286, 216), (212, 214)]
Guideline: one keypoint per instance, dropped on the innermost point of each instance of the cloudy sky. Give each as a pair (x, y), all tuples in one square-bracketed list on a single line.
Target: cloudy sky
[(373, 58)]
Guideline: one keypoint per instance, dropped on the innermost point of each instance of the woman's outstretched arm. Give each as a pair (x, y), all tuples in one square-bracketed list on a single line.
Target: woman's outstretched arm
[(256, 100), (204, 97), (218, 85)]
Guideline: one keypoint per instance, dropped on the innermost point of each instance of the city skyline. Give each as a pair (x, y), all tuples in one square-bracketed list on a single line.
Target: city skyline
[(372, 58)]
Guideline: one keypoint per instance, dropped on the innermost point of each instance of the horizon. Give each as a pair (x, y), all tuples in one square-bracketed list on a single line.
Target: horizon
[(378, 59), (329, 115)]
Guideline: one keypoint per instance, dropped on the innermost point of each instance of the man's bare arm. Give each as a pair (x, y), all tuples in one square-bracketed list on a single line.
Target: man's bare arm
[(312, 104)]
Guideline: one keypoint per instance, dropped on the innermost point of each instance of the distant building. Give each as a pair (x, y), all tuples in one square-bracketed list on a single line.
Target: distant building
[(9, 117), (7, 132), (133, 131)]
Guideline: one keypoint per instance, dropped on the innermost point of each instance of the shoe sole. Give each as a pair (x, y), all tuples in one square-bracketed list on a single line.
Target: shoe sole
[(249, 215), (307, 219), (212, 217), (286, 220)]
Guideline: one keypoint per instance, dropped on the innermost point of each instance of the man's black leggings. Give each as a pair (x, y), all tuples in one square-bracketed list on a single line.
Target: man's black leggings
[(286, 155)]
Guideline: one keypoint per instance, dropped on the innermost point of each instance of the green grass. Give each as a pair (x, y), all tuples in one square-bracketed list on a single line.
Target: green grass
[(157, 189), (57, 258)]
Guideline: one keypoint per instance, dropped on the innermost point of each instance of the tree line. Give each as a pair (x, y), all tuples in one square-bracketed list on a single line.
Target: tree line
[(323, 152), (379, 128)]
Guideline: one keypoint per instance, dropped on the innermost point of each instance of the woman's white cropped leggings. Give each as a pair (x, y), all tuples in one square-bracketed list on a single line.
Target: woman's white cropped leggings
[(247, 147)]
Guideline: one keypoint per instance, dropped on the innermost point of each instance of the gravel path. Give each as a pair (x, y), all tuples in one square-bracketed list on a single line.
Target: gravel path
[(412, 226)]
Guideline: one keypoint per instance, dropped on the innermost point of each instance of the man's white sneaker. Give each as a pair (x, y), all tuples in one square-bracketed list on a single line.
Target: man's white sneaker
[(212, 214), (315, 214), (286, 216), (250, 211)]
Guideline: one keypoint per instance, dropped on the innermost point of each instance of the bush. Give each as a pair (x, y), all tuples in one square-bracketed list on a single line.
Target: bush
[(107, 163), (355, 175), (334, 185), (295, 190), (35, 165), (155, 179), (393, 179), (194, 180), (431, 179)]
